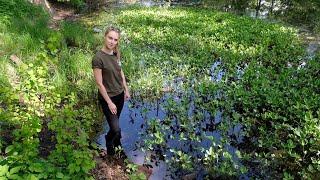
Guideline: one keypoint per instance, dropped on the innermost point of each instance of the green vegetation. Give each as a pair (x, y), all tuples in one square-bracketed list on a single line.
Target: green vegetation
[(78, 4), (264, 89), (47, 111), (132, 170), (275, 101), (299, 13), (302, 13)]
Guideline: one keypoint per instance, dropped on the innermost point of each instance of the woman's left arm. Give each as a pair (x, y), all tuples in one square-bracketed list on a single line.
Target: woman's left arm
[(124, 82), (126, 90)]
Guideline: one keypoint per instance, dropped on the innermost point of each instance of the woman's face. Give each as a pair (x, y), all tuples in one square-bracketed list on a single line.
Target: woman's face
[(111, 40)]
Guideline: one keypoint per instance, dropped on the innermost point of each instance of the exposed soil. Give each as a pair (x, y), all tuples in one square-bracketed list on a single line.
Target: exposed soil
[(60, 12), (108, 167), (111, 167)]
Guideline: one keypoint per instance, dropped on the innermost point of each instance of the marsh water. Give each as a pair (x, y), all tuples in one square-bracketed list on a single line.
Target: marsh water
[(137, 112), (133, 123)]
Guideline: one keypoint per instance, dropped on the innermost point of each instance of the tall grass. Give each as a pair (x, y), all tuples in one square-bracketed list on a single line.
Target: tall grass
[(22, 27), (75, 65), (3, 73), (76, 35)]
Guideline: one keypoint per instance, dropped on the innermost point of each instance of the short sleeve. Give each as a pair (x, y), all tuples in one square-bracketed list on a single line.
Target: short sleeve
[(97, 62)]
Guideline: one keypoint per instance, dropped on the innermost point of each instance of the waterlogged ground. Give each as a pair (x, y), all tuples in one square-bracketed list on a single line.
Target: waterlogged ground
[(208, 92), (135, 124)]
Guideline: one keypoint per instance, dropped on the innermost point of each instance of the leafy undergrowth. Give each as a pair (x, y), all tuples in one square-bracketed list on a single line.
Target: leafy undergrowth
[(48, 112), (48, 108)]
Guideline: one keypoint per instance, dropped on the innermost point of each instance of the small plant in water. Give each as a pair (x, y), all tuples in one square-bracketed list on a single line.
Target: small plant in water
[(132, 170), (119, 152), (182, 160)]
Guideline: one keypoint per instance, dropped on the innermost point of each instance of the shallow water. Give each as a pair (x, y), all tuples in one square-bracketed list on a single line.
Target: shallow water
[(136, 112), (312, 49), (134, 116), (130, 123), (133, 125)]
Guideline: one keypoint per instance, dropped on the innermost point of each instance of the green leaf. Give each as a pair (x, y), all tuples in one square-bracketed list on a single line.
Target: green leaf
[(9, 149), (15, 170), (3, 170), (36, 167), (32, 177), (59, 175), (14, 176)]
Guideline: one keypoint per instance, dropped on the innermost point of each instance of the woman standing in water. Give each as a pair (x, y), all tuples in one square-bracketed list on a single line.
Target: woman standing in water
[(112, 85)]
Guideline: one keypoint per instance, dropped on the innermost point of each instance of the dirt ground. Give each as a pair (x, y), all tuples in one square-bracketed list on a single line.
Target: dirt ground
[(111, 167), (108, 167)]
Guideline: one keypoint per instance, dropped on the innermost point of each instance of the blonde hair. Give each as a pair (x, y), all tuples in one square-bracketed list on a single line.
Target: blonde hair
[(117, 30), (112, 28)]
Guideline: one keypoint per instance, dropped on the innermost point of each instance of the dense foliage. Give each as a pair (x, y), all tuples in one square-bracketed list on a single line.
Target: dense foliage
[(264, 89), (300, 13)]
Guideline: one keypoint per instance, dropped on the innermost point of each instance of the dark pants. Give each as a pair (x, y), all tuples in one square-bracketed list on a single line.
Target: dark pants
[(114, 135)]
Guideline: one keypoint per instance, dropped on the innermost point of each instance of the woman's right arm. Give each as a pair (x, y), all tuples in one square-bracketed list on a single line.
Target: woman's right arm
[(98, 77)]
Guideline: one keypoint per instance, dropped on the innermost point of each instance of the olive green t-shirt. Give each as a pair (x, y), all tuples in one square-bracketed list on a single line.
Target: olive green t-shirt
[(111, 72)]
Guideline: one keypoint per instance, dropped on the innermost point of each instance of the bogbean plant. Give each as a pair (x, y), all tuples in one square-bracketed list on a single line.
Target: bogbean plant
[(177, 139), (262, 89), (275, 100), (132, 170), (281, 111), (150, 81), (220, 163)]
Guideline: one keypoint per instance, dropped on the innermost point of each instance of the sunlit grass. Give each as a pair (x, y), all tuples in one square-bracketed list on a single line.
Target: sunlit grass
[(76, 35), (75, 67), (163, 14), (12, 43), (3, 72)]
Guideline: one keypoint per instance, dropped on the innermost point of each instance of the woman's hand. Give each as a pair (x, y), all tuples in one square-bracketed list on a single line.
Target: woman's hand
[(112, 107), (126, 95)]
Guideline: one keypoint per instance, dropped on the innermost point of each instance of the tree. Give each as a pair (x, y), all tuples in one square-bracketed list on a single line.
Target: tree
[(258, 7)]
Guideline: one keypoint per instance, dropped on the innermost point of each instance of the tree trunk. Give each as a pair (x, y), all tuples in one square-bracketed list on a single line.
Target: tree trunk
[(271, 8), (43, 3), (258, 8)]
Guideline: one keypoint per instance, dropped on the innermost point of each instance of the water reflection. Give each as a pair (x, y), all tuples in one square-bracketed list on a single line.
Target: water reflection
[(132, 121), (137, 112), (133, 124)]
